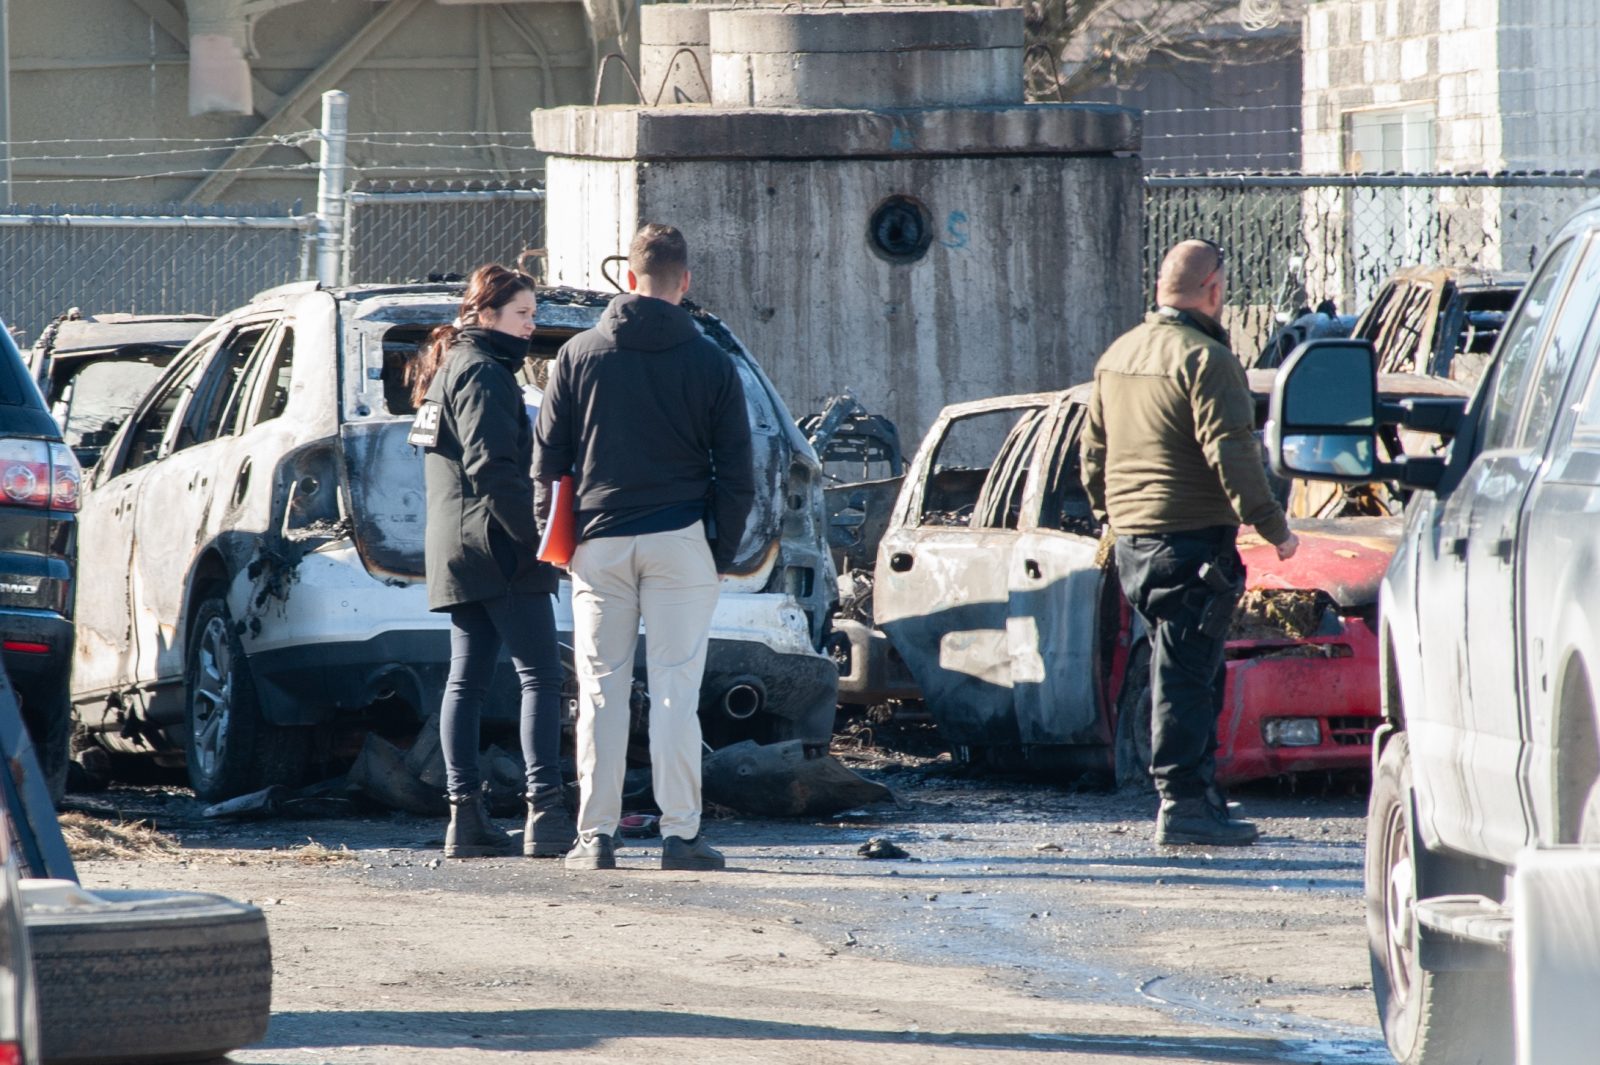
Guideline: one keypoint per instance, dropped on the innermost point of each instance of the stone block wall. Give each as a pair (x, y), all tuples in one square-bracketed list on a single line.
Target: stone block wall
[(1371, 54), (1511, 85)]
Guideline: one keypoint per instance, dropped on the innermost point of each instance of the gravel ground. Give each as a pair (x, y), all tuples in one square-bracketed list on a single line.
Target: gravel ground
[(1027, 920)]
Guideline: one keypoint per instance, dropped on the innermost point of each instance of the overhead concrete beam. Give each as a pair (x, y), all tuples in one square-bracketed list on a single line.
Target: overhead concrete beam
[(175, 24), (879, 57), (287, 117)]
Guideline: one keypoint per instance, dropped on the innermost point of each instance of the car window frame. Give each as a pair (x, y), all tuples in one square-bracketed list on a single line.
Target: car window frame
[(255, 389), (211, 381), (176, 376), (925, 464), (1560, 258), (1063, 450), (1012, 485), (1585, 271)]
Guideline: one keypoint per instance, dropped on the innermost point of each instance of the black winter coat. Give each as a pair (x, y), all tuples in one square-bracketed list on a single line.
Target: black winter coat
[(648, 413), (482, 536)]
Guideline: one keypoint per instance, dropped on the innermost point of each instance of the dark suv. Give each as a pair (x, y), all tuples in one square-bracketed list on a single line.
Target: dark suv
[(39, 482)]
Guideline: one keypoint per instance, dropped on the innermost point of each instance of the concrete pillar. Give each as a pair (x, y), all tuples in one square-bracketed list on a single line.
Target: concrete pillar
[(927, 57), (868, 203), (664, 31)]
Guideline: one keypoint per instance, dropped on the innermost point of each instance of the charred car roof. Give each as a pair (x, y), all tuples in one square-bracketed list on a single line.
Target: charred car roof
[(110, 332)]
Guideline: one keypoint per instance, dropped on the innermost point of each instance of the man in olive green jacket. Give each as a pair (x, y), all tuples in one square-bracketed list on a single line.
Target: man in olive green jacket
[(1172, 465)]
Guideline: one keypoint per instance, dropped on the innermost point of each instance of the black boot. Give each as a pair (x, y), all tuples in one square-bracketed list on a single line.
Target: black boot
[(550, 831), (471, 834), (1201, 821)]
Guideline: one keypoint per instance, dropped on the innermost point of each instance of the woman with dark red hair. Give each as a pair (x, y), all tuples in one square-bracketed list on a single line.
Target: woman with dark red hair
[(481, 547)]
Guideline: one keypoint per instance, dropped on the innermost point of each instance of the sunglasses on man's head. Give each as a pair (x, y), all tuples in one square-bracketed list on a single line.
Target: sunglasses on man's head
[(1222, 258)]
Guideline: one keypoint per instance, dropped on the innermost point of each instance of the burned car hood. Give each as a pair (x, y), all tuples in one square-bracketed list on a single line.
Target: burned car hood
[(1344, 557)]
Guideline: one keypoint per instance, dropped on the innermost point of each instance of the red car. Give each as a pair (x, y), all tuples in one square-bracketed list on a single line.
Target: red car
[(991, 587)]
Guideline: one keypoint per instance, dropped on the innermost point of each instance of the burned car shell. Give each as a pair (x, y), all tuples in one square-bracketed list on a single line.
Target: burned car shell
[(310, 524), (1439, 321), (74, 345), (1020, 639)]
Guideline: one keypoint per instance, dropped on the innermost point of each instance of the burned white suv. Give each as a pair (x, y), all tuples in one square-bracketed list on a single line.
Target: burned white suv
[(252, 546)]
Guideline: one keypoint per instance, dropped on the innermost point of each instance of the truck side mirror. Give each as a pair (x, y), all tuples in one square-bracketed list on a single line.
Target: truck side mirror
[(1323, 419)]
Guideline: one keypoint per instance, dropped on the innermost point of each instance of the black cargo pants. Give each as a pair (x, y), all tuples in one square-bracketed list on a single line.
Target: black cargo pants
[(1161, 578)]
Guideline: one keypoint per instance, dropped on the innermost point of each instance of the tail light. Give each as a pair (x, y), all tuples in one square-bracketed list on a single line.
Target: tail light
[(66, 478), (37, 473)]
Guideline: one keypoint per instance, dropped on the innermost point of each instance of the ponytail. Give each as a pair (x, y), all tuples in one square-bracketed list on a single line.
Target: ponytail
[(421, 369)]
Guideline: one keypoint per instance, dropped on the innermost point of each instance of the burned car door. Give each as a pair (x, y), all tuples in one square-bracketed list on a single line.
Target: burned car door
[(943, 592), (174, 503), (1055, 587), (105, 655)]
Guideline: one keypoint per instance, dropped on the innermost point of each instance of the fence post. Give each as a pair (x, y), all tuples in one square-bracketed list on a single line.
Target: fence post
[(330, 186)]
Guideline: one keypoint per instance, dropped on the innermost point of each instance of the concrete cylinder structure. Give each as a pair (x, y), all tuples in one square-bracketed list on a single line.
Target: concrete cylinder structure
[(665, 30), (877, 57), (869, 203)]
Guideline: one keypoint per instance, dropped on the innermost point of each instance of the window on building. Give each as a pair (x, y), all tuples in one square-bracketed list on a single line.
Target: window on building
[(1389, 140), (1388, 228)]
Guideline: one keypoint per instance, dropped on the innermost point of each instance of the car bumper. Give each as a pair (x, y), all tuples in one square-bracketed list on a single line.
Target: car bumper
[(38, 645), (1339, 693), (871, 671), (341, 641)]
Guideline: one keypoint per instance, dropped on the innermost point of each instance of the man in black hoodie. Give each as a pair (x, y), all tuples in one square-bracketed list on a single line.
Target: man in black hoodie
[(649, 417)]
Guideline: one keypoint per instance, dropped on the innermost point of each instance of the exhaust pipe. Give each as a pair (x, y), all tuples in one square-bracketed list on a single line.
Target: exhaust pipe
[(744, 698)]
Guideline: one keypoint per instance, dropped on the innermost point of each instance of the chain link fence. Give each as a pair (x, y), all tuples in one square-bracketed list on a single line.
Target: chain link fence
[(178, 258), (144, 259), (398, 234), (1294, 240)]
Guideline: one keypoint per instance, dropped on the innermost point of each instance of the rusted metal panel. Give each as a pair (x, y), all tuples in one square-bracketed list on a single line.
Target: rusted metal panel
[(943, 599), (1052, 638), (383, 475)]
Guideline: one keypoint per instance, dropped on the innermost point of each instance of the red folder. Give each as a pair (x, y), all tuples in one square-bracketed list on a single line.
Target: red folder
[(561, 531)]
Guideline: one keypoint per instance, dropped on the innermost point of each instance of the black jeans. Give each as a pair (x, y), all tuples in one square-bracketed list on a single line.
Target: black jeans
[(526, 624), (1161, 578)]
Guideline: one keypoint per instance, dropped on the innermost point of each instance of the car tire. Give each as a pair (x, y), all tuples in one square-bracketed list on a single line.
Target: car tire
[(1428, 1018), (151, 976), (231, 748), (1134, 738), (47, 711)]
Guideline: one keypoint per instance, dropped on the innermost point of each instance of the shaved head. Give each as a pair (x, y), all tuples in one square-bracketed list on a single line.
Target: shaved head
[(1191, 277)]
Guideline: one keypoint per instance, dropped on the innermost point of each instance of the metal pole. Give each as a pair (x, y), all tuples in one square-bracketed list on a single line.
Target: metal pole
[(330, 187), (5, 102)]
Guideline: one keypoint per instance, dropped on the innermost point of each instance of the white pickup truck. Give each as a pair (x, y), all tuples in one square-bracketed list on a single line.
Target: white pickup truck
[(1483, 847)]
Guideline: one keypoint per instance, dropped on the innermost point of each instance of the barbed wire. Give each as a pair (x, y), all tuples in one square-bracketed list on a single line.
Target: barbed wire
[(476, 145), (195, 172)]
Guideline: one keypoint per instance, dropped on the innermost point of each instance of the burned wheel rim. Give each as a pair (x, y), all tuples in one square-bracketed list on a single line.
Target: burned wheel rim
[(1400, 932), (211, 700)]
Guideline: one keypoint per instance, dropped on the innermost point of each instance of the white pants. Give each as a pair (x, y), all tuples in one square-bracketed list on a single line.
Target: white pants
[(669, 580)]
